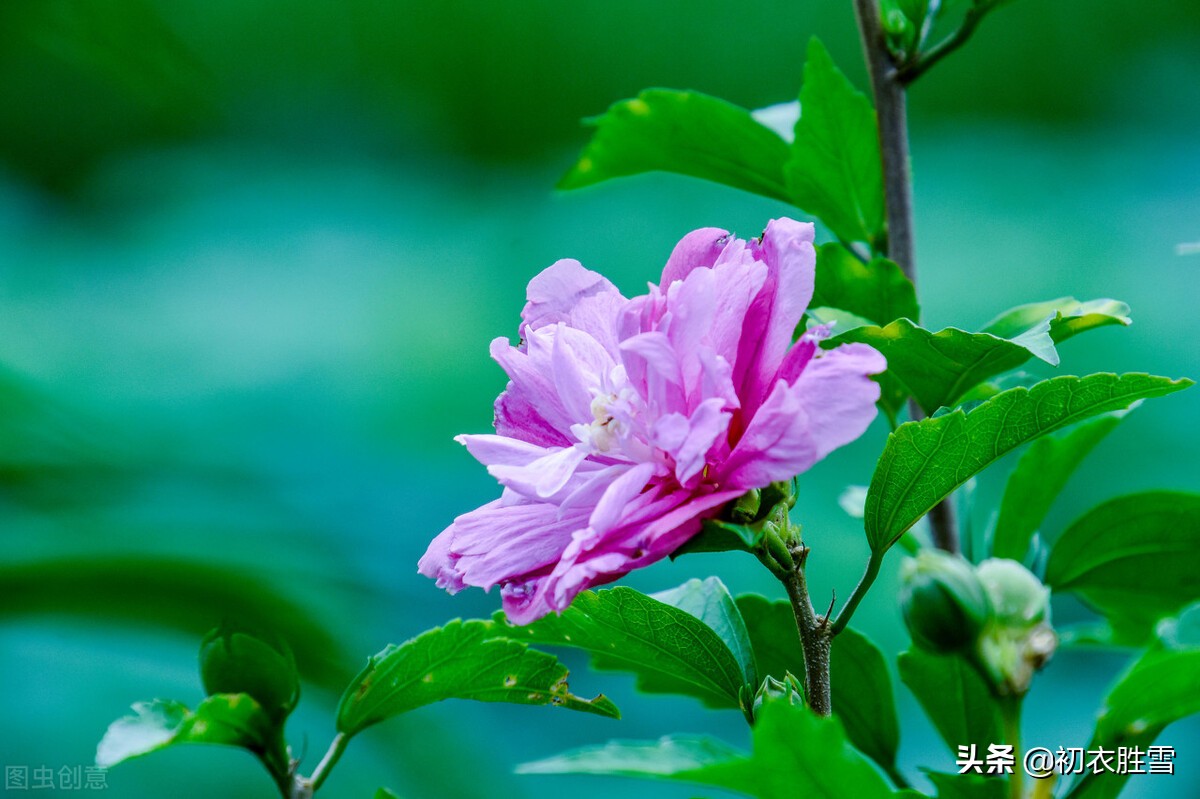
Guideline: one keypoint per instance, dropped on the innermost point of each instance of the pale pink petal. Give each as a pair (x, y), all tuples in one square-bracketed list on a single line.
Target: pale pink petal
[(580, 366), (532, 394), (697, 249), (501, 450), (556, 294), (619, 494), (838, 395), (438, 562), (775, 444), (708, 425), (543, 477)]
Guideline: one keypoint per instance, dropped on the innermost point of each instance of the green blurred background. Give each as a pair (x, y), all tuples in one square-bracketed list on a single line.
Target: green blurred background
[(253, 253)]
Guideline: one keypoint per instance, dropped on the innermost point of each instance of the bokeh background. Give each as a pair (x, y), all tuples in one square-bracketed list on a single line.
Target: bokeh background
[(252, 254)]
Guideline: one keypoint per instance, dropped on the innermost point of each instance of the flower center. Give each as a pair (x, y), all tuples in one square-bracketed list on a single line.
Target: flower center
[(605, 430)]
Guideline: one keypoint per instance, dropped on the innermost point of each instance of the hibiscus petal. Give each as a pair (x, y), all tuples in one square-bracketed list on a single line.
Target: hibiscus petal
[(643, 538), (543, 477), (838, 396), (707, 425), (496, 450), (697, 249), (618, 495), (580, 366), (557, 292), (787, 249), (531, 395), (831, 403)]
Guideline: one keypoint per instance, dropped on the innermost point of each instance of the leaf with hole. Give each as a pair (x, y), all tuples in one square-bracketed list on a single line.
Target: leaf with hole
[(668, 650), (462, 660), (228, 719)]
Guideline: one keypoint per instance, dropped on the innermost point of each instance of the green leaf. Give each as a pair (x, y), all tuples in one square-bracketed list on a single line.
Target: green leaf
[(860, 688), (710, 602), (1068, 317), (923, 462), (669, 650), (877, 290), (462, 660), (1134, 557), (954, 697), (861, 694), (836, 171), (229, 719), (796, 753), (384, 793), (938, 368), (1160, 688), (968, 786), (687, 133), (720, 536), (1163, 686), (772, 630), (666, 757), (1039, 478)]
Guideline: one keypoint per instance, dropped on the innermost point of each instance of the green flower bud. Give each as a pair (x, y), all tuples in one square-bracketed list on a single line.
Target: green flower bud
[(1020, 640), (943, 601), (233, 661), (1018, 598), (787, 690)]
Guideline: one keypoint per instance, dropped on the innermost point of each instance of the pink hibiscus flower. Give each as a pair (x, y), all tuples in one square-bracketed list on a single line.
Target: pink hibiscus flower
[(629, 421)]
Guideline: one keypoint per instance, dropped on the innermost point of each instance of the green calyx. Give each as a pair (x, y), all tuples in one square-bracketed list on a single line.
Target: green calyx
[(789, 690)]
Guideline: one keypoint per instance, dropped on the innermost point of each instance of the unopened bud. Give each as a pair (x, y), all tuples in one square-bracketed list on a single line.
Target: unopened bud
[(1020, 640), (787, 690), (237, 662), (943, 601), (1018, 598)]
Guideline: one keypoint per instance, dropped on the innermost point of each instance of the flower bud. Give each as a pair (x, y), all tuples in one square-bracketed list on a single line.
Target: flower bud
[(943, 601), (1020, 640), (1018, 598), (787, 690), (233, 661)]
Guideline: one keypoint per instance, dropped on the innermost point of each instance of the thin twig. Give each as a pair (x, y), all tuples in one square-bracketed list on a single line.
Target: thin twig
[(910, 72), (860, 590)]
